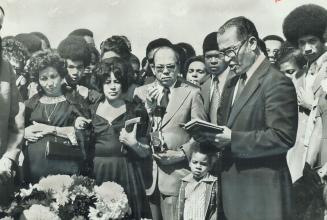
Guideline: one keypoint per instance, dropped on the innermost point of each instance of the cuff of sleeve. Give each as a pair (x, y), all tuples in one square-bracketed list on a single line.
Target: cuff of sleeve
[(12, 155), (187, 156)]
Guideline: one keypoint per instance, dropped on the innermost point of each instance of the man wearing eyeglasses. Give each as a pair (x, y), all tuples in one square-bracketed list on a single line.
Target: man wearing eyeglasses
[(179, 102), (259, 117), (11, 127)]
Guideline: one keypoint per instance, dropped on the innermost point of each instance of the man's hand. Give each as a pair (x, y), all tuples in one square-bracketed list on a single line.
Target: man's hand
[(169, 157), (151, 98), (219, 140), (5, 170), (305, 99)]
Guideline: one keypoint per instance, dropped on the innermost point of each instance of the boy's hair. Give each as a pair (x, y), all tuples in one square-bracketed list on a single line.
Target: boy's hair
[(206, 149)]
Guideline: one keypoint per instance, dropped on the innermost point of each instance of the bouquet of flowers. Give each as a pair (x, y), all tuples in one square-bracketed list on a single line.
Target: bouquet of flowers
[(68, 197)]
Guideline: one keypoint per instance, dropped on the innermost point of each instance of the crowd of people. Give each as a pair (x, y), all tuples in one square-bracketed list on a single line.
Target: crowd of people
[(112, 117)]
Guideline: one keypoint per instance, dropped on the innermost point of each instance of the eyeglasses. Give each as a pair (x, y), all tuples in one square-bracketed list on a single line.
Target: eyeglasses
[(161, 68), (233, 51)]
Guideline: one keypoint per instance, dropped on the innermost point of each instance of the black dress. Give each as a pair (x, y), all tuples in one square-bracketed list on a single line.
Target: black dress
[(36, 163), (111, 163)]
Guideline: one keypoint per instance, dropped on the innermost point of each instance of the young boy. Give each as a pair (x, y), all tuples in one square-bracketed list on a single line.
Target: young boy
[(198, 192)]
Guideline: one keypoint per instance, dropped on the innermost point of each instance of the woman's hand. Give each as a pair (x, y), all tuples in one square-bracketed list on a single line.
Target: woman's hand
[(322, 172), (33, 133), (82, 123), (45, 129), (128, 138)]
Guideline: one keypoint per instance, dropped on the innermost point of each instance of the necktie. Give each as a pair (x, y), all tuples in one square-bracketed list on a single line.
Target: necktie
[(165, 98), (241, 85), (215, 101)]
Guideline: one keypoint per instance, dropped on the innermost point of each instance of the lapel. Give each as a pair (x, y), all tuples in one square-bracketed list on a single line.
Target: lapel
[(226, 101), (252, 85), (176, 100), (317, 83)]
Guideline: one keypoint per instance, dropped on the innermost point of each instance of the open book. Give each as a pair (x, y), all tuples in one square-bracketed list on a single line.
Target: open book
[(197, 125)]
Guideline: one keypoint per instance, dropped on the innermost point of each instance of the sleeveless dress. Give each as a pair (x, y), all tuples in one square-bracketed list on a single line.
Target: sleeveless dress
[(36, 163), (113, 162)]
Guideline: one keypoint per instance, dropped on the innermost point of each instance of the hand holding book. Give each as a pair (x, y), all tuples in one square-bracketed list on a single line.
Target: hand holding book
[(206, 132)]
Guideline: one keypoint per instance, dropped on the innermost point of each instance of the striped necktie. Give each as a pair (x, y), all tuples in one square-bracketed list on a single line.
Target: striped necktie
[(215, 101)]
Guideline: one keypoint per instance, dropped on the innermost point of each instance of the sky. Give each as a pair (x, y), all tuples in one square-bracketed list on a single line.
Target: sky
[(143, 20)]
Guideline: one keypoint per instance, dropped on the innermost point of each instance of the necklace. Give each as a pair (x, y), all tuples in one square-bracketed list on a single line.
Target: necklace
[(52, 100), (46, 112)]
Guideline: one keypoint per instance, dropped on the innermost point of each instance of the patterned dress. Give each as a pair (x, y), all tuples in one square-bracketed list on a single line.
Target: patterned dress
[(36, 163)]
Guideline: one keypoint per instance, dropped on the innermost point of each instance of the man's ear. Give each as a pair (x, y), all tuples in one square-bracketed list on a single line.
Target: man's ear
[(253, 42)]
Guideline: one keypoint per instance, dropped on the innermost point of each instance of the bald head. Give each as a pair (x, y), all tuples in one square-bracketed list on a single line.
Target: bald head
[(164, 52), (166, 66)]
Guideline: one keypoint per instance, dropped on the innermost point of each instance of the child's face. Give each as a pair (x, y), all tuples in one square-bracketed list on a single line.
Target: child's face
[(199, 164)]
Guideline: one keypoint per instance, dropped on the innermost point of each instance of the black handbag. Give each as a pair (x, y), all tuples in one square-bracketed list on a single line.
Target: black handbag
[(62, 149)]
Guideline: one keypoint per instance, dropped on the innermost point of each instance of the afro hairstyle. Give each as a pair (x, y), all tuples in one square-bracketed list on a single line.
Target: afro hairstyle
[(30, 41), (307, 19), (42, 37), (75, 48), (81, 32)]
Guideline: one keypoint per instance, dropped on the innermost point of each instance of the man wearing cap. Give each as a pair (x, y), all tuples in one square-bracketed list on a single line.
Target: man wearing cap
[(11, 127), (212, 88)]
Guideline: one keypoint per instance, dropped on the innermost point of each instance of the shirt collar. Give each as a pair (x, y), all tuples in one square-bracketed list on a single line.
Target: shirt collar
[(255, 65), (170, 87), (317, 63), (321, 59), (208, 178)]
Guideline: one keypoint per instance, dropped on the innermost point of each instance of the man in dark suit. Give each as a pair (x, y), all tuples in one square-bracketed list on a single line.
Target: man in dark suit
[(182, 102), (259, 116)]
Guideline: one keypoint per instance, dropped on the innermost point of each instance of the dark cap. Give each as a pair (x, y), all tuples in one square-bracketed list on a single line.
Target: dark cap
[(210, 42)]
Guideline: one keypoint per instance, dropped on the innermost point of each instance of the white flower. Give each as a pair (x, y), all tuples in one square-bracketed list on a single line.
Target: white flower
[(39, 212), (97, 215), (7, 218), (110, 192), (26, 192), (56, 183), (61, 199), (112, 200)]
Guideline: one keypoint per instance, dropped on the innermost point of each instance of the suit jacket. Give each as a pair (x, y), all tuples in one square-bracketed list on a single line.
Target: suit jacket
[(255, 177), (11, 114), (185, 104)]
